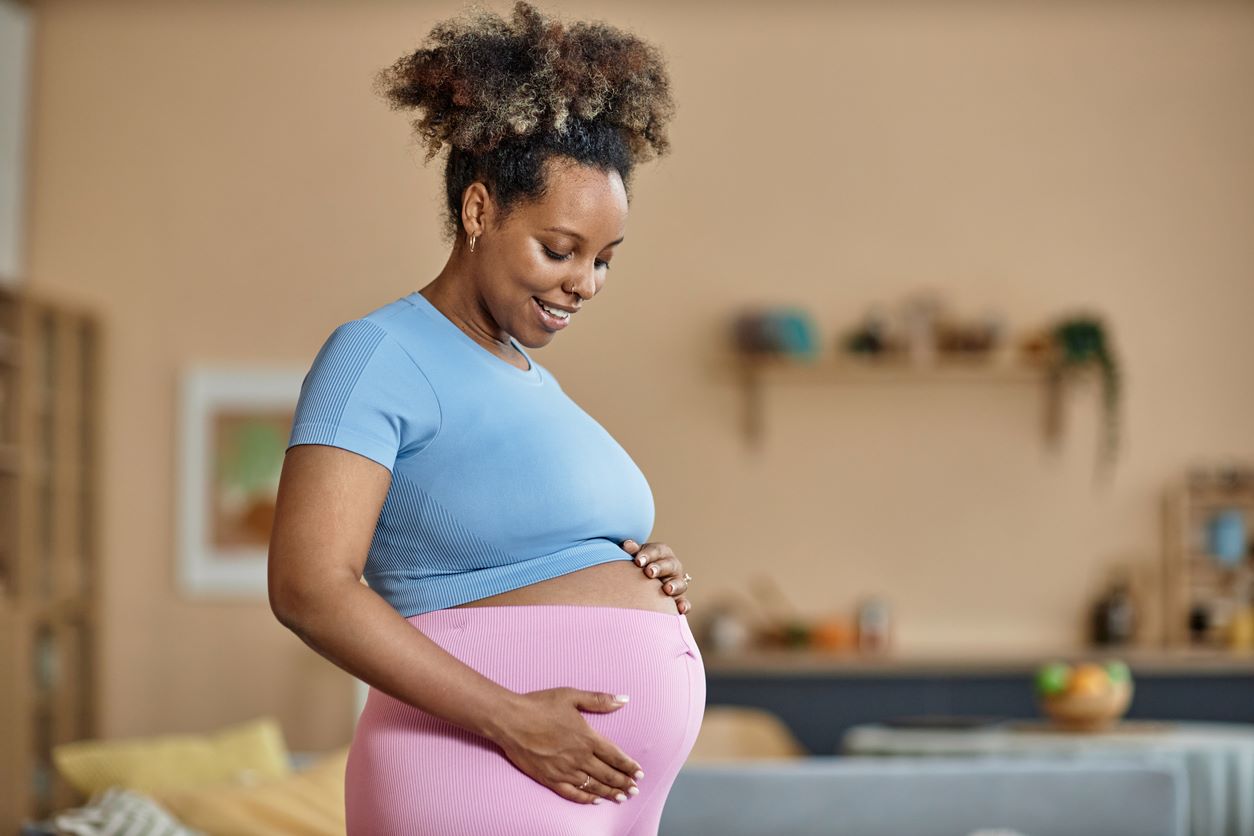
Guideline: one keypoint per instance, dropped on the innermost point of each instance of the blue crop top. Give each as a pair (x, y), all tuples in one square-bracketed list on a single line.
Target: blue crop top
[(499, 479)]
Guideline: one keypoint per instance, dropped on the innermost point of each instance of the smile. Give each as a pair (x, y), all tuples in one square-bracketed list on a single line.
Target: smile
[(552, 319)]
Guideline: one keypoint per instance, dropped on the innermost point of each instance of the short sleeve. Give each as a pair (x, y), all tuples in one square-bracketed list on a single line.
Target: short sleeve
[(364, 393)]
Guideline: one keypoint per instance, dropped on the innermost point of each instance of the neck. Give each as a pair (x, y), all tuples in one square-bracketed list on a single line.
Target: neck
[(454, 292)]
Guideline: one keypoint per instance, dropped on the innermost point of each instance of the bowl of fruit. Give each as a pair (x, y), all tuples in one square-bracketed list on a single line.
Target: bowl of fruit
[(1086, 696)]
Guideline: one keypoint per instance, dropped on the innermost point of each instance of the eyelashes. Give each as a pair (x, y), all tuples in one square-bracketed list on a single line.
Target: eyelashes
[(565, 256)]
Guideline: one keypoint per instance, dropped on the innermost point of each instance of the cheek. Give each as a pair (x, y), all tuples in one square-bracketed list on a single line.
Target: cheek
[(538, 274)]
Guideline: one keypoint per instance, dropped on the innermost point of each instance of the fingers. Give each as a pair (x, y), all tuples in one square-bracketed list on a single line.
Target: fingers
[(598, 701), (610, 783), (614, 780), (658, 560), (614, 757), (668, 570), (675, 586), (660, 567), (594, 791), (660, 563), (558, 748), (613, 775), (599, 779), (617, 759), (649, 552), (571, 792)]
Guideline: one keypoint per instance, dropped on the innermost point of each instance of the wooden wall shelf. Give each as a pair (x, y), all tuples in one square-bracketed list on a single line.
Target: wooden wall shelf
[(756, 373), (836, 370)]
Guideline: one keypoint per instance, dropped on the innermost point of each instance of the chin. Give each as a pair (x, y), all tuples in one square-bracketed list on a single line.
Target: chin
[(532, 332), (541, 341)]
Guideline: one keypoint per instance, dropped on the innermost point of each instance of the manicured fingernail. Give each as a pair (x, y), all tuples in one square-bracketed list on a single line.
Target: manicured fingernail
[(597, 800), (621, 697), (620, 797), (639, 773), (669, 588), (640, 559), (651, 571), (633, 791)]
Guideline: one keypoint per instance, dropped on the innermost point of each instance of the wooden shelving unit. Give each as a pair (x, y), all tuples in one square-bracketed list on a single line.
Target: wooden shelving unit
[(756, 373), (1191, 574), (49, 415)]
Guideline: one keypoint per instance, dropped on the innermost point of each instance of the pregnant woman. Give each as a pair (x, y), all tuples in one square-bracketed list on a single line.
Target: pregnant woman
[(530, 663)]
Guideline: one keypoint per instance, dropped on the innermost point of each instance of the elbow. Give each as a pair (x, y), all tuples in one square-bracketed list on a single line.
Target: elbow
[(282, 609), (301, 597), (290, 605), (304, 604)]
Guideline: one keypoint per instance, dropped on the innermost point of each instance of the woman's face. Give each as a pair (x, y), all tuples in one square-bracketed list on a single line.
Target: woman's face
[(555, 250)]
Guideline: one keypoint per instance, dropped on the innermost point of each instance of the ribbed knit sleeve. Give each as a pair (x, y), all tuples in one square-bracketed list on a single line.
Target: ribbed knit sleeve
[(365, 394)]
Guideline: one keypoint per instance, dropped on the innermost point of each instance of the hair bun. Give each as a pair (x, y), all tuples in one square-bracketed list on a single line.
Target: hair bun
[(479, 79)]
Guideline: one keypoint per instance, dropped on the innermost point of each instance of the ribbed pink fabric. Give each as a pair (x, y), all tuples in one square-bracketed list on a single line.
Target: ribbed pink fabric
[(412, 774)]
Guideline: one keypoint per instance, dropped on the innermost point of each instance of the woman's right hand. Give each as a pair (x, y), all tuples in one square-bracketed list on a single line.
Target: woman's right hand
[(546, 737)]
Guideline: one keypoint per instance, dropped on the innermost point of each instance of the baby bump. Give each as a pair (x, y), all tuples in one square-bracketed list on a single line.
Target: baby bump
[(403, 758), (616, 583)]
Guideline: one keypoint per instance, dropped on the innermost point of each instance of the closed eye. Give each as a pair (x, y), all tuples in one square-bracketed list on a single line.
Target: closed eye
[(564, 256)]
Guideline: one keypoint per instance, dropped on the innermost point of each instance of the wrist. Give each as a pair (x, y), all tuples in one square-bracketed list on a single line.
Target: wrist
[(500, 716)]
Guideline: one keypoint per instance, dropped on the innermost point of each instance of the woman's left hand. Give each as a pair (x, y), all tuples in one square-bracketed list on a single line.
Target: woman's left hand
[(660, 563)]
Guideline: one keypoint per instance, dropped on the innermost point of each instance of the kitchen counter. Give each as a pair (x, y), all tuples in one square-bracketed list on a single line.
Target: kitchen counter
[(820, 695), (810, 662)]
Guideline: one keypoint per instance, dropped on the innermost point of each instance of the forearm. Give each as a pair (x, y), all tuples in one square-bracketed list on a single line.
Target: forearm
[(358, 631)]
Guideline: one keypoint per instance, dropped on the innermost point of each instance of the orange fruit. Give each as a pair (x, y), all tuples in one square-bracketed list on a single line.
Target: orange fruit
[(835, 633), (1089, 678)]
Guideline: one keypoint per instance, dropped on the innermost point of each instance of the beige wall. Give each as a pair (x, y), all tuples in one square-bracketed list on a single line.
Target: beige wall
[(218, 180)]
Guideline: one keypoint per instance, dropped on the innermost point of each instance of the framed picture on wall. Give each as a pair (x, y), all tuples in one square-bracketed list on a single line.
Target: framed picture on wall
[(234, 427)]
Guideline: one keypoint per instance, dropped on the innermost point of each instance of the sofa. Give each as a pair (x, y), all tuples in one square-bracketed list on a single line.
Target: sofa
[(745, 776), (859, 796)]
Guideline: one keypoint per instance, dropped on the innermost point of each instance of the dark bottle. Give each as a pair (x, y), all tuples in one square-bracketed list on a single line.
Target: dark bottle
[(1199, 623), (1114, 616)]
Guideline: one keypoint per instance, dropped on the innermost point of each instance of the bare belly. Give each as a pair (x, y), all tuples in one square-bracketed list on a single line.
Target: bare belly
[(619, 583)]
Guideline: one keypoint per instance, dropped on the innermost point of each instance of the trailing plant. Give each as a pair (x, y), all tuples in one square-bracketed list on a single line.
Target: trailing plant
[(1081, 343)]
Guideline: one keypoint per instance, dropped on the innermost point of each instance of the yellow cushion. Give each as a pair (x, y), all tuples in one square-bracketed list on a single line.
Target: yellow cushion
[(253, 750), (733, 732), (306, 803)]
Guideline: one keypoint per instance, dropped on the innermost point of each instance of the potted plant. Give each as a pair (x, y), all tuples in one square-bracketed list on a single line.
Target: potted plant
[(1079, 344)]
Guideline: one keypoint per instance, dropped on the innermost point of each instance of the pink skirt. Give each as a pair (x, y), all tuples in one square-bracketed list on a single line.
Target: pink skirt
[(410, 773)]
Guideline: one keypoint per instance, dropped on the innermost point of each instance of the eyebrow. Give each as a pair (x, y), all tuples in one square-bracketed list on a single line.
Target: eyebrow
[(576, 235)]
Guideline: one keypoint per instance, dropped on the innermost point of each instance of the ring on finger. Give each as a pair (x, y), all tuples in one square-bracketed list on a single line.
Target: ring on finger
[(585, 782)]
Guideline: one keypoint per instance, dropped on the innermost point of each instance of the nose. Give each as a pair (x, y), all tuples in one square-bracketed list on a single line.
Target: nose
[(584, 283)]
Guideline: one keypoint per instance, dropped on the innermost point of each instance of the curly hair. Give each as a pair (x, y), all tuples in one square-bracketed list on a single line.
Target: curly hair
[(506, 96)]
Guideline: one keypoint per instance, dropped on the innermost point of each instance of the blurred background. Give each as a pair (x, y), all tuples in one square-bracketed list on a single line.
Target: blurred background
[(835, 341)]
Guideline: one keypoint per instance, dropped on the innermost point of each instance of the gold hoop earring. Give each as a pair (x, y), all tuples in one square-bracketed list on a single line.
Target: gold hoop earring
[(472, 242)]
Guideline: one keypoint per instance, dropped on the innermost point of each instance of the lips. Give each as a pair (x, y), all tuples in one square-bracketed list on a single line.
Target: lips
[(555, 306), (549, 321)]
